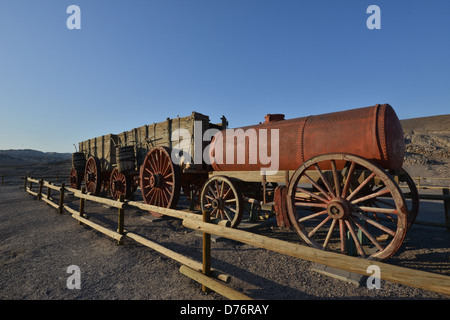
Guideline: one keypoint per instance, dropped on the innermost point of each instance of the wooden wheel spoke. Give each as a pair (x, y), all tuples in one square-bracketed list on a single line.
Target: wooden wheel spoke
[(317, 187), (324, 180), (337, 183), (342, 235), (355, 238), (312, 194), (312, 216), (330, 231), (348, 179), (310, 204), (379, 210), (368, 234), (371, 196), (374, 223), (363, 184), (313, 231)]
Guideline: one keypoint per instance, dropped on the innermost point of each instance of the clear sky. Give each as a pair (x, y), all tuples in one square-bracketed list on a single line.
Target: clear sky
[(137, 62)]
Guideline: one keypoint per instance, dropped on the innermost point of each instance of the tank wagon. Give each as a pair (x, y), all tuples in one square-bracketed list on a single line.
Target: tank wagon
[(333, 178)]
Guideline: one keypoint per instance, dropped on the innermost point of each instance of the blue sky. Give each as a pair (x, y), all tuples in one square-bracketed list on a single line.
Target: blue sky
[(137, 62)]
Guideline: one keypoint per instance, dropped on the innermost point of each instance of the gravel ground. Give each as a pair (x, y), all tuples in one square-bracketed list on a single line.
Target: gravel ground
[(37, 245)]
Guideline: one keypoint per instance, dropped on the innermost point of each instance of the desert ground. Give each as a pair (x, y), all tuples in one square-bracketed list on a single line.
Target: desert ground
[(38, 245)]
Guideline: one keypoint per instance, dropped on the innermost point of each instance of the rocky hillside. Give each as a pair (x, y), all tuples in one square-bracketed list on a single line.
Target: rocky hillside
[(427, 144), (15, 157)]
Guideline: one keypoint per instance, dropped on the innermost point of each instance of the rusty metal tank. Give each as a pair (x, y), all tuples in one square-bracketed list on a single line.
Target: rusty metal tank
[(374, 133)]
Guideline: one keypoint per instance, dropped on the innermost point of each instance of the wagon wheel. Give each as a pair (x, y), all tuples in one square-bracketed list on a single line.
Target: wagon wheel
[(160, 179), (222, 198), (191, 185), (346, 216), (413, 207), (119, 184), (93, 175), (75, 179)]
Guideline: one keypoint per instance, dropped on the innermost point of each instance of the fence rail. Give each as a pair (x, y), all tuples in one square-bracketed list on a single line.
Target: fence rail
[(202, 272)]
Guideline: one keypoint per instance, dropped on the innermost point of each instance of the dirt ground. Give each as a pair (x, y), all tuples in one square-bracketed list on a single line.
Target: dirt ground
[(37, 246)]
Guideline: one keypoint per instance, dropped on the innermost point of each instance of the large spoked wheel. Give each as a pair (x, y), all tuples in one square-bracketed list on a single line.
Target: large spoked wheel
[(347, 204), (75, 179), (160, 179), (221, 197), (413, 205), (119, 184), (93, 175)]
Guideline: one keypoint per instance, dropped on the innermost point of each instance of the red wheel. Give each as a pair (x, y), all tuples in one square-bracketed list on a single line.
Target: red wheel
[(160, 179), (75, 178), (222, 198), (358, 210), (120, 184), (93, 176), (191, 185)]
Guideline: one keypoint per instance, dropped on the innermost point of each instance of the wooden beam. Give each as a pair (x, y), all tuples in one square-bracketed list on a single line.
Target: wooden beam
[(415, 278), (98, 227), (213, 284), (176, 256)]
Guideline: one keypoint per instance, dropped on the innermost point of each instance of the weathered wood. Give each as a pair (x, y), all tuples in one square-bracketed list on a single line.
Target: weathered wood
[(176, 256), (61, 199), (213, 284), (51, 186), (70, 210), (109, 202), (164, 211), (98, 227), (82, 202), (415, 278), (31, 192), (41, 182), (121, 218), (49, 202), (206, 252)]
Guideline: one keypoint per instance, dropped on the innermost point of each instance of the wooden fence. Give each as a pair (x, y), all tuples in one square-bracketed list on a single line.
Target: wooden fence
[(212, 279)]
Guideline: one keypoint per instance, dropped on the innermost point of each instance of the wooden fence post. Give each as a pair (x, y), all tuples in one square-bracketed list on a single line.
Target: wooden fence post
[(120, 227), (206, 255), (41, 183), (82, 201), (49, 192), (61, 199), (445, 193)]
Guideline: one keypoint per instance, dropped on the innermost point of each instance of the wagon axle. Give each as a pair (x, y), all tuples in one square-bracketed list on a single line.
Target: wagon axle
[(339, 209)]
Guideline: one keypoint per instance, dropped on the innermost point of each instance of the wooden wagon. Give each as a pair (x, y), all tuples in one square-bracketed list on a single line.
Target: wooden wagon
[(336, 183), (117, 164)]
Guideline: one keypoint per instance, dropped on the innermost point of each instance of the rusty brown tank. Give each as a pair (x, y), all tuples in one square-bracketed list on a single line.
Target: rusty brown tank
[(374, 133)]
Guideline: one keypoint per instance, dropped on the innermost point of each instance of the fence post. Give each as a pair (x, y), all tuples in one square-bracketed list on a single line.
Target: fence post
[(61, 199), (120, 226), (445, 193), (49, 192), (82, 201), (41, 183), (206, 255)]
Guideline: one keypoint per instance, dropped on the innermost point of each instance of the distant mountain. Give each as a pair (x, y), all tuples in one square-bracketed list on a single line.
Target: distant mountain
[(27, 156)]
